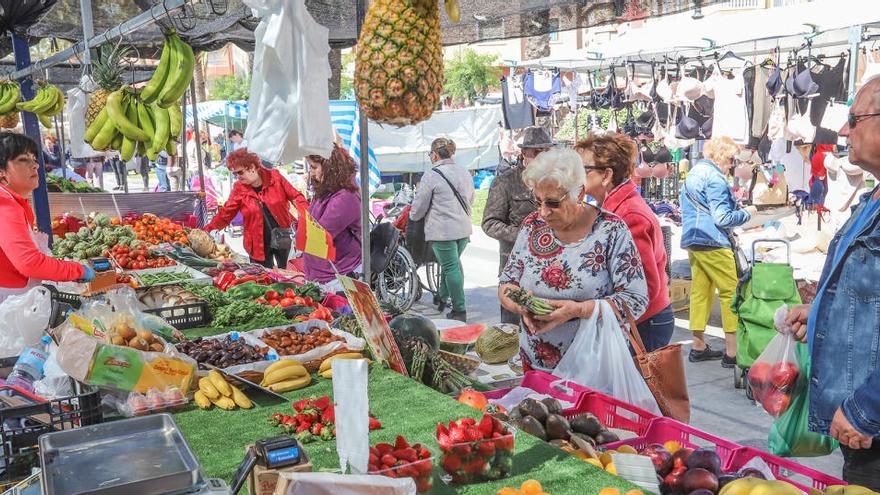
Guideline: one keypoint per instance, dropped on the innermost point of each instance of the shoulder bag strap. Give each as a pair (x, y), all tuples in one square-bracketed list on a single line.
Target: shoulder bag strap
[(629, 327), (700, 206), (455, 191)]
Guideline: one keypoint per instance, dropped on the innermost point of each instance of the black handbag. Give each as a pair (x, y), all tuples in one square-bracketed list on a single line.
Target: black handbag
[(280, 239)]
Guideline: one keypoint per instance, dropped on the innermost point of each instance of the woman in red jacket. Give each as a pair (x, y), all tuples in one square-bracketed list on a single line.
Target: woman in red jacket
[(25, 260), (263, 196), (609, 161)]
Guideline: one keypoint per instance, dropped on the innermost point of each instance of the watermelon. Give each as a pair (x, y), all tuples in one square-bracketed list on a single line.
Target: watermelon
[(459, 340)]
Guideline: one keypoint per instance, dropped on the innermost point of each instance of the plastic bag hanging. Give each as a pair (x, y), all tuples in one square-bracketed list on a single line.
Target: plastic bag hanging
[(774, 376)]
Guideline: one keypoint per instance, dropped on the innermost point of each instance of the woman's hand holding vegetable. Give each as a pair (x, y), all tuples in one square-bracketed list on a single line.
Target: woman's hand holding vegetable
[(565, 310)]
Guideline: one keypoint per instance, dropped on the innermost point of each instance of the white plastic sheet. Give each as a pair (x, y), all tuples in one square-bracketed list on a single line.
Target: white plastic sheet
[(23, 320), (339, 484), (599, 358), (352, 410)]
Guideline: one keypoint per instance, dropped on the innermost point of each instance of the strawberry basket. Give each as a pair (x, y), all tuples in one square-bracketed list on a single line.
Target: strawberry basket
[(472, 452), (403, 461)]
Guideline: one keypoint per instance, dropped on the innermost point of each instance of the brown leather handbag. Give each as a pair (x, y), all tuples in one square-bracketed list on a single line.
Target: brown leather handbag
[(663, 371)]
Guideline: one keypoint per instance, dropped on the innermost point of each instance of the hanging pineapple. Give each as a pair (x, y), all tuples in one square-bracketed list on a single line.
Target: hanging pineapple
[(107, 73), (9, 120), (399, 64)]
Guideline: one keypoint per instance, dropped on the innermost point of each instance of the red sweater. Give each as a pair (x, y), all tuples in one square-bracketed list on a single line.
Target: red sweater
[(20, 259), (625, 202), (276, 193)]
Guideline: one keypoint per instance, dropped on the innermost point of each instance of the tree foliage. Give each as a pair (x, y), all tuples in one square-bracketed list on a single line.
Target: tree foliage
[(231, 88), (469, 75)]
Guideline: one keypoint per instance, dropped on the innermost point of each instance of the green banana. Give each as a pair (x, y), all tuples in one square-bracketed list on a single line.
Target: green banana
[(181, 74), (176, 119), (160, 132), (45, 120), (151, 155), (151, 91), (96, 126), (116, 112), (11, 95), (145, 121), (118, 139), (126, 151), (59, 101), (41, 102), (171, 147), (105, 136)]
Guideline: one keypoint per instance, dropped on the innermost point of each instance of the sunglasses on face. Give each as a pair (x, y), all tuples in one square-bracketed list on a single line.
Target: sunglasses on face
[(594, 167), (549, 203), (239, 172), (853, 119)]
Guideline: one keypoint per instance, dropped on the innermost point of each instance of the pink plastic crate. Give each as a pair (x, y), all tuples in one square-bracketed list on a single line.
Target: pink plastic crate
[(664, 429), (613, 413), (545, 383), (792, 472)]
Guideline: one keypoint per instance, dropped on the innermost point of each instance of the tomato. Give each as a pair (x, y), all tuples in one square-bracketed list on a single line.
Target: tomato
[(289, 293), (272, 295), (309, 301), (286, 302), (298, 301), (274, 302)]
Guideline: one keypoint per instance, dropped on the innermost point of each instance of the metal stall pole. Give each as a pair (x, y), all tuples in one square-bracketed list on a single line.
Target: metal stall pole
[(60, 124), (182, 157), (32, 130), (855, 37), (365, 166), (198, 138)]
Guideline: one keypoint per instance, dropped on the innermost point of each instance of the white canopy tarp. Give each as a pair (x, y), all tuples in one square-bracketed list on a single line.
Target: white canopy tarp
[(474, 130)]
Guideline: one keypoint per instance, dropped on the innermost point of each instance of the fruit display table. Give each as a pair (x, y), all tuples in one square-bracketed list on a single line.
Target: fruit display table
[(404, 407)]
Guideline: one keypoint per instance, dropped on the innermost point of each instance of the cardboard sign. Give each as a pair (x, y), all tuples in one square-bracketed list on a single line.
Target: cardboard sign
[(369, 316)]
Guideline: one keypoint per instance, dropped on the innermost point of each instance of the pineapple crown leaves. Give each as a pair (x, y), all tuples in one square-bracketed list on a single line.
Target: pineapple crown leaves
[(107, 70)]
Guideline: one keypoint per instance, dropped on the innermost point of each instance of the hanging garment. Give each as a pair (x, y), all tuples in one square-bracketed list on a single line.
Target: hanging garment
[(759, 103), (289, 116), (869, 67), (572, 89), (797, 171), (540, 87), (516, 109), (846, 183), (730, 118)]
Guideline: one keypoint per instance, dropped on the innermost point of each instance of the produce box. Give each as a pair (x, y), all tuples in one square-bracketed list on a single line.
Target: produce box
[(195, 276), (679, 294)]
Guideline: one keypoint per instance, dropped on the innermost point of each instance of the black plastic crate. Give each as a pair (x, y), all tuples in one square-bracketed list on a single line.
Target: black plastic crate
[(72, 300), (184, 316), (23, 425)]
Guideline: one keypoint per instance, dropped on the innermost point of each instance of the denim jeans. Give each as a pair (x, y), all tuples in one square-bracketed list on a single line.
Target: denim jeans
[(862, 467), (656, 331), (162, 176)]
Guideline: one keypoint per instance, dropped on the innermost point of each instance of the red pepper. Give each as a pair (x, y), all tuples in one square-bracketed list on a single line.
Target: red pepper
[(224, 281)]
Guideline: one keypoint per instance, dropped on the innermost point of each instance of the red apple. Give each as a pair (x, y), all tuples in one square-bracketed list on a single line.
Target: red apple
[(751, 473), (705, 458), (672, 483), (680, 457), (661, 458), (784, 375), (776, 403), (699, 478)]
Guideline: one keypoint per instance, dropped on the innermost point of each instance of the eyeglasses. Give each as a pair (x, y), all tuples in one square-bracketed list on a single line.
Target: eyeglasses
[(549, 203), (853, 119), (239, 172), (594, 167)]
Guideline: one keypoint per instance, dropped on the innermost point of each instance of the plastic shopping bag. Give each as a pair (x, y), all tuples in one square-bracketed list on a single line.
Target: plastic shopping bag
[(775, 374), (790, 436), (599, 358), (23, 320)]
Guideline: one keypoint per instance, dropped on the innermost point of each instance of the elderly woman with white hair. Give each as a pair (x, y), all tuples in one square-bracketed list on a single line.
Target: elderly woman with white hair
[(571, 254)]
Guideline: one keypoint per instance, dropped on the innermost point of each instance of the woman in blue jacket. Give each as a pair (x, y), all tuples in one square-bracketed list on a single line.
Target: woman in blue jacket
[(709, 211)]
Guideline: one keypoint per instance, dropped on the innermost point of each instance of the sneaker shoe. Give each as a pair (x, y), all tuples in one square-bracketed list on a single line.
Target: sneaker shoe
[(706, 354), (728, 362), (457, 315)]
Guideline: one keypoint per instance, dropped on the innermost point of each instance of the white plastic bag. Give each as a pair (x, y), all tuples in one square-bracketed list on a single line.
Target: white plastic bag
[(23, 320), (599, 358), (343, 484), (77, 102)]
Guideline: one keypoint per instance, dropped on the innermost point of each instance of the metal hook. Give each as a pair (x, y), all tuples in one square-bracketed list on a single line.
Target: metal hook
[(219, 10)]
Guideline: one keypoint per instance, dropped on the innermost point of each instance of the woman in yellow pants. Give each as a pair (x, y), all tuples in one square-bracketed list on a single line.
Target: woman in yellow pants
[(709, 211)]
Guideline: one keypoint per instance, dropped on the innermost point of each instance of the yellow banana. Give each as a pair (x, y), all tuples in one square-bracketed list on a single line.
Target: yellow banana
[(325, 365), (202, 400), (160, 129), (240, 399), (283, 374), (224, 403), (96, 126), (11, 95), (208, 388), (181, 74), (328, 374), (288, 385), (741, 486), (281, 363), (105, 136), (220, 383), (151, 91), (452, 10), (116, 112)]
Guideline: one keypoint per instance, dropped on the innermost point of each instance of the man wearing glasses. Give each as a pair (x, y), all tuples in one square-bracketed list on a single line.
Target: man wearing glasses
[(842, 326), (510, 201)]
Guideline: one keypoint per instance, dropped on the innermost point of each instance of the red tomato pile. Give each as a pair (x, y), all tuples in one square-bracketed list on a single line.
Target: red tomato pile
[(289, 298), (137, 258)]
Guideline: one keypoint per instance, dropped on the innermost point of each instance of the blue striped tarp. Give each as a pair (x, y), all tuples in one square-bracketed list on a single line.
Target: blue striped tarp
[(344, 115)]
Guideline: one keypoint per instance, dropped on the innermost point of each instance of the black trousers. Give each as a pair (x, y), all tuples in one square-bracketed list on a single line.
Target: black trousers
[(274, 258), (862, 466)]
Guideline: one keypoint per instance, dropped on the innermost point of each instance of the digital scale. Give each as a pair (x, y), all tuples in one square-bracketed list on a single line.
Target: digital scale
[(270, 453)]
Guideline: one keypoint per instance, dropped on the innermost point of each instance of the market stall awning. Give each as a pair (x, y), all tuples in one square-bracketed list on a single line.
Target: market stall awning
[(226, 114)]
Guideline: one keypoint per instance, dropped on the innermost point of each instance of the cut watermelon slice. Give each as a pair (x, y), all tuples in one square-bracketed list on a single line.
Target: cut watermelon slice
[(467, 334)]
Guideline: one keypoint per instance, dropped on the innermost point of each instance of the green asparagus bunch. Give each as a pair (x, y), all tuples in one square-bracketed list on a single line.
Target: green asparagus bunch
[(534, 305)]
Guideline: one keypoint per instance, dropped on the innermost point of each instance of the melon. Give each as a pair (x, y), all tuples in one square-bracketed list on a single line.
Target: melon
[(459, 340), (498, 343)]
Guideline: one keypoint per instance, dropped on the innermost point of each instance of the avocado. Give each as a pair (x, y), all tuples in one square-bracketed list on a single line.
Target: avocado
[(587, 424), (553, 405), (535, 409), (606, 436), (533, 427), (557, 427)]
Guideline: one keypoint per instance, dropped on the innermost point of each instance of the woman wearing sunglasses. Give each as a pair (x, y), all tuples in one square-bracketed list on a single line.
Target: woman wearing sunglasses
[(609, 161), (571, 254), (263, 196), (25, 260)]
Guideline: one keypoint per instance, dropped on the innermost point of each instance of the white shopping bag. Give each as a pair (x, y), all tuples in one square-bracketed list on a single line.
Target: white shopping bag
[(599, 358), (24, 318)]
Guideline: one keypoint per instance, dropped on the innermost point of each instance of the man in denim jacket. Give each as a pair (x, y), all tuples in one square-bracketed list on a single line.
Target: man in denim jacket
[(842, 326)]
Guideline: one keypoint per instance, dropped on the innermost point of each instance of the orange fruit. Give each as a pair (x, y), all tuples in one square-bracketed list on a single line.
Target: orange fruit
[(609, 491), (672, 446), (531, 487), (595, 462), (626, 449), (507, 491)]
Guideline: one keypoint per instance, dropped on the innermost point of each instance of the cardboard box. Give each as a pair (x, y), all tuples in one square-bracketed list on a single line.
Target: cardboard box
[(263, 481), (102, 282), (680, 294)]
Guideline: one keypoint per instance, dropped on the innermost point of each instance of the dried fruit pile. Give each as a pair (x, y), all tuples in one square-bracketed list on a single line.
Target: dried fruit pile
[(474, 451), (222, 353), (314, 419), (289, 342), (402, 460)]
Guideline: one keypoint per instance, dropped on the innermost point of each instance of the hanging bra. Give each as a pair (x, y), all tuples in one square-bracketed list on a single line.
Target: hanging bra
[(541, 97), (637, 92), (774, 81), (687, 128), (647, 154), (662, 155), (802, 84)]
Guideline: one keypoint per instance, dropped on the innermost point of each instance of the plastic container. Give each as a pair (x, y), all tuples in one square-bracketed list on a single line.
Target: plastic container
[(29, 366), (184, 316), (421, 471), (547, 384), (664, 429), (482, 460), (612, 413), (783, 469), (153, 402)]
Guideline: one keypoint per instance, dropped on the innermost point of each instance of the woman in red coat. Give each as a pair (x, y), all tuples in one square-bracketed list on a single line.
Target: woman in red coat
[(24, 253), (609, 161), (263, 196)]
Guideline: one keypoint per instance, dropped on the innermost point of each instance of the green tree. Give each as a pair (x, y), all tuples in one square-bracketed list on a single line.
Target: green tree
[(346, 80), (469, 75), (231, 88)]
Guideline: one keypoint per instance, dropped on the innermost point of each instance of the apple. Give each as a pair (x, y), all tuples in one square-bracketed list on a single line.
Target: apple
[(672, 483), (705, 458), (680, 457), (661, 458), (699, 478), (784, 375), (776, 403)]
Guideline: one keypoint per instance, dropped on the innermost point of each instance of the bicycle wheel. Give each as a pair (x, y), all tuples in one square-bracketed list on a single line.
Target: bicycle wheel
[(432, 273), (398, 284)]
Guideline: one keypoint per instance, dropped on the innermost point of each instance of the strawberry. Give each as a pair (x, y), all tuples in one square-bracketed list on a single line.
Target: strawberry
[(407, 454), (424, 453), (498, 426), (388, 460), (372, 468), (276, 419), (441, 428), (374, 424), (322, 403), (444, 441), (287, 420), (327, 433), (474, 467), (451, 463), (458, 435), (316, 429), (300, 405), (302, 427), (486, 449), (374, 459), (467, 421), (487, 427), (328, 416), (473, 433), (423, 467), (400, 443), (423, 485), (299, 418), (384, 448)]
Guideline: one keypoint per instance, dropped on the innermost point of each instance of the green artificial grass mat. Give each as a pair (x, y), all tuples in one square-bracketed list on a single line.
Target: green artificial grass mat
[(404, 407)]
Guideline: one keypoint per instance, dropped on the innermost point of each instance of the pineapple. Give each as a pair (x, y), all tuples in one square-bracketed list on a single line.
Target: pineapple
[(107, 72), (399, 64), (9, 121)]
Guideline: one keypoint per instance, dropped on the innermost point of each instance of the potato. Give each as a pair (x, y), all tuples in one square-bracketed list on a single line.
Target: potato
[(146, 335), (157, 347), (139, 344), (118, 340), (126, 332)]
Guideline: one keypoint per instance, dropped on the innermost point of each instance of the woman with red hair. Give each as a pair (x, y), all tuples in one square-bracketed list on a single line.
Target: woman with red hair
[(263, 196)]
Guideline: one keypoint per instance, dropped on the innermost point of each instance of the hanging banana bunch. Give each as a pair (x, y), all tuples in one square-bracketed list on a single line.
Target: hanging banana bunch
[(9, 96), (47, 103), (173, 75)]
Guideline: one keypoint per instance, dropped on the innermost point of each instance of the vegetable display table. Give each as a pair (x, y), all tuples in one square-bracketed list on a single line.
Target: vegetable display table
[(404, 407)]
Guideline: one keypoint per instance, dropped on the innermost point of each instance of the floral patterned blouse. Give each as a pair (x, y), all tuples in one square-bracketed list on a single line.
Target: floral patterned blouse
[(605, 264)]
